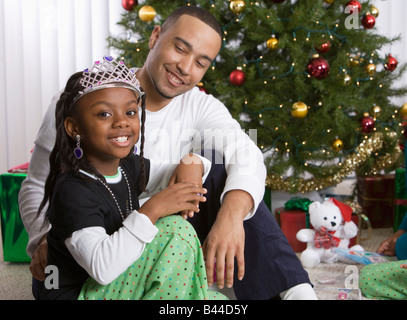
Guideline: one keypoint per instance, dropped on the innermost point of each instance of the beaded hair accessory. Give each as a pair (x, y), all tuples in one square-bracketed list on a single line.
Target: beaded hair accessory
[(108, 73)]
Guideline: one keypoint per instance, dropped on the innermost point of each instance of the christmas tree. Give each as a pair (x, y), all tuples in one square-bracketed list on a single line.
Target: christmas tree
[(308, 75)]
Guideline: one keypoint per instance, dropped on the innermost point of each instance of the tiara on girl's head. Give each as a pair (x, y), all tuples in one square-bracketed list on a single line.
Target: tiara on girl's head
[(109, 73)]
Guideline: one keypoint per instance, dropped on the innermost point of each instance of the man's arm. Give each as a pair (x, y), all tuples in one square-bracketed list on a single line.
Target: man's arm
[(225, 241), (243, 160), (243, 191), (32, 191)]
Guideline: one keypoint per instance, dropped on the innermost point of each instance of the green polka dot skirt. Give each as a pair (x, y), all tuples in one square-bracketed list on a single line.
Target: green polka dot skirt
[(384, 281), (171, 268)]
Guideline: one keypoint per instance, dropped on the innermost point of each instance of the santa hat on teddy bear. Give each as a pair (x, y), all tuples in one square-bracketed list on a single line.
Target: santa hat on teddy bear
[(346, 212)]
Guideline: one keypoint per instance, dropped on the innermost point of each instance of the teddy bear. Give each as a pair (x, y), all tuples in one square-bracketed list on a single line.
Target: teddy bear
[(333, 227)]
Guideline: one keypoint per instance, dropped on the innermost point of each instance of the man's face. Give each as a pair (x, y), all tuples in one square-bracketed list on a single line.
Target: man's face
[(180, 56)]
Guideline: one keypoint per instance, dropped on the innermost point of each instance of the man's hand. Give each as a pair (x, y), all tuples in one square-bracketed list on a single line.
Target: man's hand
[(225, 241), (39, 260)]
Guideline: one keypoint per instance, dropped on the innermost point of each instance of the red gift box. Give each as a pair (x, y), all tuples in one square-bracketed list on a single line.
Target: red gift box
[(292, 221), (376, 197)]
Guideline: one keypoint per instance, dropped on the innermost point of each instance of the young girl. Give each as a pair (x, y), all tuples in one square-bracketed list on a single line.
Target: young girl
[(98, 229)]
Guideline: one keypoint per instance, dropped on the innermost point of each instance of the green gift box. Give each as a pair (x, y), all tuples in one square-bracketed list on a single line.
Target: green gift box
[(400, 201), (14, 235)]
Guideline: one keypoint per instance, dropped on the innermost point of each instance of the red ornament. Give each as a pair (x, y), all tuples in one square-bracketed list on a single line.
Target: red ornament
[(391, 63), (129, 4), (354, 5), (323, 47), (369, 21), (237, 77), (367, 124), (318, 68)]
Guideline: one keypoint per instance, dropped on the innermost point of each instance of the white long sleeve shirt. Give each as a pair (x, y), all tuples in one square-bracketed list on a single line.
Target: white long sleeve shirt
[(190, 122)]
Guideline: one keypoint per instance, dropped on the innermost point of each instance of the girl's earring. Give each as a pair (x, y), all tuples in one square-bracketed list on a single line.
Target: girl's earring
[(135, 150), (78, 152)]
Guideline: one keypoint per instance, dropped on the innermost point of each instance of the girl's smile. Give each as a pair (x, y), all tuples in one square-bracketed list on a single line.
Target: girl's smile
[(122, 141)]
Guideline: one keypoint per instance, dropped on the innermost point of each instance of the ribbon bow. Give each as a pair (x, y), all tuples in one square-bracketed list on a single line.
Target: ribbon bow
[(325, 239), (301, 204)]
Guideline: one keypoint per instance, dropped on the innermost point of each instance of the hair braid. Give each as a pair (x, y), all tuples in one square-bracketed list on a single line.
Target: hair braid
[(143, 177)]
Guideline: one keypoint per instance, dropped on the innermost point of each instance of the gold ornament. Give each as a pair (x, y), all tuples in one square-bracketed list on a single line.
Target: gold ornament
[(237, 6), (374, 11), (337, 145), (348, 166), (347, 80), (272, 43), (329, 1), (147, 13), (376, 110), (403, 111), (299, 110), (355, 60), (370, 69)]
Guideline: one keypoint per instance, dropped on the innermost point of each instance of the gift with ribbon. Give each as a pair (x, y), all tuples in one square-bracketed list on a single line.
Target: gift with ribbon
[(293, 217)]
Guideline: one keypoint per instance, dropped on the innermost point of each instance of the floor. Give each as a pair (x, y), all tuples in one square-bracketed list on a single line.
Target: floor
[(328, 279), (15, 278)]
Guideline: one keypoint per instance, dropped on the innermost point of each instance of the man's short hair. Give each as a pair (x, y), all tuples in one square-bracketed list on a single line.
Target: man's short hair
[(197, 12)]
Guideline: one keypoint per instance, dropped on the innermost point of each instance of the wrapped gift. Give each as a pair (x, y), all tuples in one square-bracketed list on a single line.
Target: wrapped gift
[(14, 236), (292, 221), (22, 168), (400, 198), (376, 197)]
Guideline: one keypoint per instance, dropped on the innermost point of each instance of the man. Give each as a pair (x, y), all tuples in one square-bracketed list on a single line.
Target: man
[(181, 118)]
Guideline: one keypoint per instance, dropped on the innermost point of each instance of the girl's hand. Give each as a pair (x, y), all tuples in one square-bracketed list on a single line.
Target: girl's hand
[(190, 170), (177, 197), (403, 266)]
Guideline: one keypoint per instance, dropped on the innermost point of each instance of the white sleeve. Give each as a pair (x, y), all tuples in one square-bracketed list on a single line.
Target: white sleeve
[(207, 167), (32, 188), (105, 257)]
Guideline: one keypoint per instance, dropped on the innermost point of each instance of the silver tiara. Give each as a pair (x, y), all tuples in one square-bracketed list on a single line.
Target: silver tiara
[(108, 73)]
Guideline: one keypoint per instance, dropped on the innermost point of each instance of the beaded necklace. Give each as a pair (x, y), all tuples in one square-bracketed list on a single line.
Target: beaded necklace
[(129, 209)]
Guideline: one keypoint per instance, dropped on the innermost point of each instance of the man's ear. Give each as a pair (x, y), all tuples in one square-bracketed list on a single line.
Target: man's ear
[(71, 127), (154, 37)]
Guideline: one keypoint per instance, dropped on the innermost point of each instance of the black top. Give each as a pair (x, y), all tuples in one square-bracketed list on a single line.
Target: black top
[(80, 203)]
